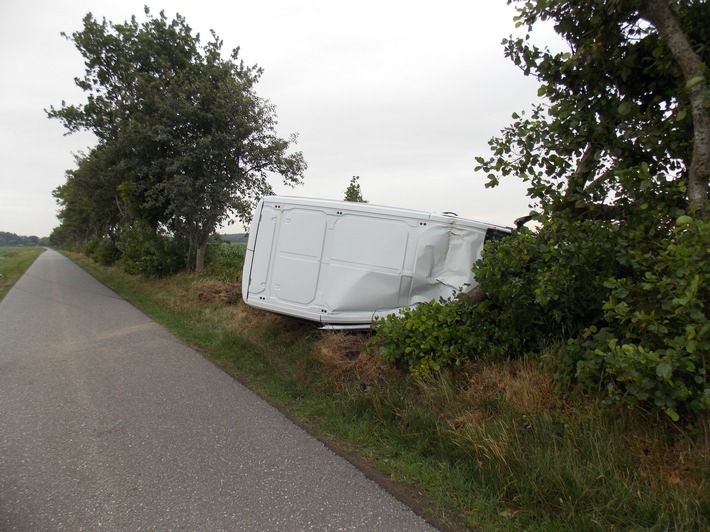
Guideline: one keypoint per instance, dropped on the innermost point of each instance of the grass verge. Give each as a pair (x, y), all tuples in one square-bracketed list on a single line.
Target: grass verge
[(14, 261), (488, 447)]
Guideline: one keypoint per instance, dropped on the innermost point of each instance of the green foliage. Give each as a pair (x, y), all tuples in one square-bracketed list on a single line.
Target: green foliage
[(225, 261), (103, 251), (612, 160), (90, 247), (354, 192), (427, 337), (633, 308), (654, 345), (148, 253), (89, 200), (541, 287), (184, 141), (107, 252), (608, 108), (11, 239)]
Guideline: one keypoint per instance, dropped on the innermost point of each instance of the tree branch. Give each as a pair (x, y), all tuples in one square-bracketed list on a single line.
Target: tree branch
[(578, 179), (658, 13)]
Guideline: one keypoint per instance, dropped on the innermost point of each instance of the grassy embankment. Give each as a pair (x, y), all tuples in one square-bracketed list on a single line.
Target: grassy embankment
[(14, 261), (490, 447)]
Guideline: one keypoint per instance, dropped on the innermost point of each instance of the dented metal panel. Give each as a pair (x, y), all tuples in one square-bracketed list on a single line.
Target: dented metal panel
[(345, 263)]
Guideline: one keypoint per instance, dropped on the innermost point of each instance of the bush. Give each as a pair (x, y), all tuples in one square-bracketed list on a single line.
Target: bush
[(654, 345), (103, 251), (145, 252), (107, 253), (545, 286), (427, 337), (90, 247)]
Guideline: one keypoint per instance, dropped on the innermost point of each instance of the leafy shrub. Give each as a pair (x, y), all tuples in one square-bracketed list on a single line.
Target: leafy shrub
[(90, 247), (633, 310), (654, 345), (628, 300), (544, 286), (108, 252), (103, 251), (145, 252), (427, 337)]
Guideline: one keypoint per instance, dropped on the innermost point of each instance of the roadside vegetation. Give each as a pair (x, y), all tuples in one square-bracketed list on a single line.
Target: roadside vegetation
[(14, 240), (14, 261), (490, 445)]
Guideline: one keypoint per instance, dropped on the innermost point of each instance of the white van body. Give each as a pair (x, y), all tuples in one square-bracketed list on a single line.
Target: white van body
[(343, 263)]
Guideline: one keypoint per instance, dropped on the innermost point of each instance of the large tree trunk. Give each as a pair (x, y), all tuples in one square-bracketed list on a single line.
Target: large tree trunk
[(658, 13), (200, 255)]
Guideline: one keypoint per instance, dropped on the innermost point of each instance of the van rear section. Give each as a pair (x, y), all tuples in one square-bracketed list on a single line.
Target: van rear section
[(344, 263)]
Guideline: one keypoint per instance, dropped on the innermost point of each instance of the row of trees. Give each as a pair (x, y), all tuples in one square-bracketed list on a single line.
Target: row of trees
[(184, 142), (11, 239), (617, 162)]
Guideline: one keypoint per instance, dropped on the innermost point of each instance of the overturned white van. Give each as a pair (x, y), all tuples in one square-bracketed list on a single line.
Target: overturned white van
[(343, 263)]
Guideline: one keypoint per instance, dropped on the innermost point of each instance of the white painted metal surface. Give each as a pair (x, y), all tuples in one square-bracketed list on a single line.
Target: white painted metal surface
[(344, 263)]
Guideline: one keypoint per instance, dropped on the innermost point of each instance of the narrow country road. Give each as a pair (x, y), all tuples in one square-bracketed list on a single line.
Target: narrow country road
[(108, 422)]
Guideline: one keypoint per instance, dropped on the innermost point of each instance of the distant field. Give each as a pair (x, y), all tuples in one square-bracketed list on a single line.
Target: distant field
[(239, 238), (14, 261)]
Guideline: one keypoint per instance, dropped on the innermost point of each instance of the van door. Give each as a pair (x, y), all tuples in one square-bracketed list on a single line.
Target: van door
[(297, 261)]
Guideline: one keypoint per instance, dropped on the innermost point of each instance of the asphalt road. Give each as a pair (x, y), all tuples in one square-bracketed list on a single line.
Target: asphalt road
[(108, 422)]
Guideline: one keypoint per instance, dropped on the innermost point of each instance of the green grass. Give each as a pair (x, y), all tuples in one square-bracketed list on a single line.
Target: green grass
[(14, 261), (492, 447)]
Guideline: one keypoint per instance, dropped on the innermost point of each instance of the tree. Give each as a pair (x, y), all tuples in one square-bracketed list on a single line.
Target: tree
[(195, 145), (11, 239), (627, 115), (354, 192), (616, 160), (90, 201)]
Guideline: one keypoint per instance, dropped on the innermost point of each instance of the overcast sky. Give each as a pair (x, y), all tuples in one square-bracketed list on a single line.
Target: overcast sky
[(403, 93)]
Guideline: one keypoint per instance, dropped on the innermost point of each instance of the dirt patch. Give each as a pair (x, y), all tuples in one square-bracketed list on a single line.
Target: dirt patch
[(347, 361), (228, 294)]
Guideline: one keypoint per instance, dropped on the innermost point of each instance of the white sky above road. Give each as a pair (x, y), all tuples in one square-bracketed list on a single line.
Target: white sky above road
[(403, 93)]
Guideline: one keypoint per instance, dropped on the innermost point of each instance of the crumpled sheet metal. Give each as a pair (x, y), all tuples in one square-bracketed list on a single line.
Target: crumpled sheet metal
[(444, 261)]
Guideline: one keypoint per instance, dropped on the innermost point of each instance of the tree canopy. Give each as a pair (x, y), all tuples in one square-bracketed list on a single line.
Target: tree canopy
[(354, 191), (625, 117), (184, 142), (11, 239)]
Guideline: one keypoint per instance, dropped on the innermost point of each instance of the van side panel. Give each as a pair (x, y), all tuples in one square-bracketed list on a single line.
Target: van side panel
[(297, 261), (345, 263), (366, 261), (445, 257), (377, 243), (259, 248)]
